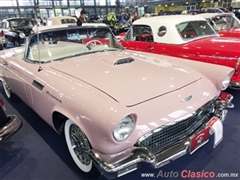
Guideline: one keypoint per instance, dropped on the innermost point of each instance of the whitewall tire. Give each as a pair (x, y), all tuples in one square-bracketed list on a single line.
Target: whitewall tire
[(79, 147), (7, 90)]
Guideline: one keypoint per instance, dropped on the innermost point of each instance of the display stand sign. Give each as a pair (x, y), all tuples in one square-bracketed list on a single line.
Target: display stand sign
[(202, 137)]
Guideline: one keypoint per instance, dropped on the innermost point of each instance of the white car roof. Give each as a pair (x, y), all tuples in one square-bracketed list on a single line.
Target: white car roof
[(61, 17), (173, 19), (170, 21), (210, 15)]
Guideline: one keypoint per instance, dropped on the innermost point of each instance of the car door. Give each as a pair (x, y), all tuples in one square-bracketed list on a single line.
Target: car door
[(140, 38), (13, 70), (234, 30)]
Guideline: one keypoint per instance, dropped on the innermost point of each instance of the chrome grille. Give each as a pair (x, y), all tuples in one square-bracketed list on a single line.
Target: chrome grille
[(174, 133)]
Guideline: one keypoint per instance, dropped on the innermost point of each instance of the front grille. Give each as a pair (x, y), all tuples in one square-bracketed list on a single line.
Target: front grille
[(174, 133)]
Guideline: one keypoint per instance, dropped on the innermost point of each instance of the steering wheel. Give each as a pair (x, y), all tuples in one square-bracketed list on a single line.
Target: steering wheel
[(145, 36), (187, 35), (223, 27), (92, 43)]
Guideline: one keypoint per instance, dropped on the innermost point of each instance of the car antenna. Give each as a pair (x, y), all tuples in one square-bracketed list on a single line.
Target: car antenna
[(38, 47)]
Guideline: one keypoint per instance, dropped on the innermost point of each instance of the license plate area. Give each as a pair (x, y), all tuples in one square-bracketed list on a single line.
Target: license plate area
[(199, 139)]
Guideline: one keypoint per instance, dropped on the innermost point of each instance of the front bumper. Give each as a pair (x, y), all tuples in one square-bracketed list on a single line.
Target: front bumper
[(234, 85), (12, 126), (113, 166)]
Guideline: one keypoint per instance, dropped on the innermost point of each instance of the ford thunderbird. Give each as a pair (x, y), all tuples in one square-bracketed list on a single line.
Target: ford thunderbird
[(226, 24), (185, 36), (118, 109)]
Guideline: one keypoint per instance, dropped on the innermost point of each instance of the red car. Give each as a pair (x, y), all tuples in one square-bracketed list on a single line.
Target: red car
[(185, 36), (226, 24), (9, 124)]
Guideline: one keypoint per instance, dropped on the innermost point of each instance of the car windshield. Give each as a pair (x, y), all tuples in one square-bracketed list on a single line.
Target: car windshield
[(62, 44), (17, 23), (223, 22), (194, 29)]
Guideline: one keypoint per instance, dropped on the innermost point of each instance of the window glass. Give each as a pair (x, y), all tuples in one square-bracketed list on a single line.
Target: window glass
[(8, 3), (26, 3), (17, 23), (194, 29), (128, 34), (100, 2), (61, 44), (162, 31), (66, 21), (142, 33), (224, 22), (236, 23)]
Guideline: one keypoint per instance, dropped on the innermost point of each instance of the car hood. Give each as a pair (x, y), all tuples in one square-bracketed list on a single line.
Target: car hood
[(128, 82)]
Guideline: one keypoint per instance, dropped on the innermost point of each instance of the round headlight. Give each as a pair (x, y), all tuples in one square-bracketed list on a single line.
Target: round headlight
[(227, 80), (123, 130)]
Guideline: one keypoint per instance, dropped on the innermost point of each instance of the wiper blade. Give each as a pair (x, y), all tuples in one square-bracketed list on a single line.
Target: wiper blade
[(84, 53), (74, 55)]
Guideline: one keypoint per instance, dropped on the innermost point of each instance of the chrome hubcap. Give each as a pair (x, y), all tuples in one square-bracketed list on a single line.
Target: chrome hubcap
[(80, 144), (6, 89)]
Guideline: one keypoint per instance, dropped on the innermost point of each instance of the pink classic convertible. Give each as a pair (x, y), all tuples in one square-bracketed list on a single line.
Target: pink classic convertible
[(118, 109)]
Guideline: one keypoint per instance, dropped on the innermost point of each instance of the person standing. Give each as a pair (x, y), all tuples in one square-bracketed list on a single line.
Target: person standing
[(121, 18), (131, 18), (82, 18), (230, 9), (201, 10), (135, 17)]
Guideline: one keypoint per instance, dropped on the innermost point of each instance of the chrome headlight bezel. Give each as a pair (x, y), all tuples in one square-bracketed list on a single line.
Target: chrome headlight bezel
[(226, 81), (124, 128)]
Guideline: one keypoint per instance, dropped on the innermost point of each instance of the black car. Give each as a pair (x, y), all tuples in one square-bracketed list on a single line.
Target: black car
[(15, 30), (237, 12)]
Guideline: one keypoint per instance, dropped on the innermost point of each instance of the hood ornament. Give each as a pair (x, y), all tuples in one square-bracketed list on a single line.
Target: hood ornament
[(186, 98)]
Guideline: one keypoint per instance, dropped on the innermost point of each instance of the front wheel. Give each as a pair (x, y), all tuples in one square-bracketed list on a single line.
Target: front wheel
[(8, 92), (79, 148)]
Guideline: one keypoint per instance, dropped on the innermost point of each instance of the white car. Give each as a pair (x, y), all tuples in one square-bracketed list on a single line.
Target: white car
[(69, 20)]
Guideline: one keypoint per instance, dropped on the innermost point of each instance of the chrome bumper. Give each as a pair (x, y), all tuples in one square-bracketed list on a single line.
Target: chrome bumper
[(112, 166), (234, 85), (13, 125)]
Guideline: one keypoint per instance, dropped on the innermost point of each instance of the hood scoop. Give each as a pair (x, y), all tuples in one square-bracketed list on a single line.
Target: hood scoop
[(123, 61)]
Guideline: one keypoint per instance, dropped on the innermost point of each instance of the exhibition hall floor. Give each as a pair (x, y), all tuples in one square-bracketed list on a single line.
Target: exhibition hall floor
[(37, 152)]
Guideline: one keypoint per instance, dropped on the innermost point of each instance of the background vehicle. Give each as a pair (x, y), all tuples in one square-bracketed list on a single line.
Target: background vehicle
[(185, 36), (226, 24), (14, 30), (58, 20)]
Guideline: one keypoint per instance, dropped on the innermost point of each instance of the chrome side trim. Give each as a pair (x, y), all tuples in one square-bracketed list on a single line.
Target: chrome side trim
[(132, 157), (237, 64), (234, 85)]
